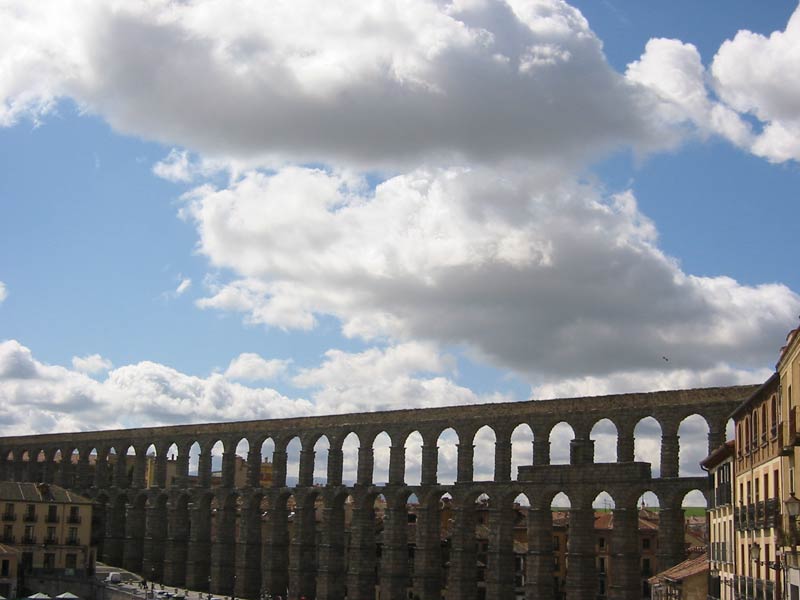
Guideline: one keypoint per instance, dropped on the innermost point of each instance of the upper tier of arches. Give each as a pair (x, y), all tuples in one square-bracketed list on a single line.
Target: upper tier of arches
[(449, 438)]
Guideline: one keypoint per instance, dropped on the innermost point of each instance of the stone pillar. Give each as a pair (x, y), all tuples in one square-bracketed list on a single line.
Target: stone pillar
[(539, 562), (397, 465), (182, 468), (331, 573), (248, 551), (121, 471), (394, 556), (306, 478), (199, 550), (275, 553), (430, 464), (63, 473), (223, 548), (581, 451), (134, 536), (581, 582), (502, 457), (361, 572), (279, 468), (671, 549), (83, 475), (254, 467), (466, 453), (716, 437), (461, 581), (160, 475), (428, 554), (625, 555), (625, 445), (153, 554), (139, 469), (500, 558), (114, 544), (303, 561), (204, 468), (228, 469), (175, 552), (670, 447), (541, 451), (366, 463), (335, 466), (101, 470)]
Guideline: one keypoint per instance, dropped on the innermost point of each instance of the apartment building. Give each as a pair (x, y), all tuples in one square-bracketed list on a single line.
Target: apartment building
[(48, 526)]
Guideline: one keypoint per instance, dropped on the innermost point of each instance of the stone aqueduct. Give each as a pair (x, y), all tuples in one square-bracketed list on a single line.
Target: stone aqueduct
[(166, 530)]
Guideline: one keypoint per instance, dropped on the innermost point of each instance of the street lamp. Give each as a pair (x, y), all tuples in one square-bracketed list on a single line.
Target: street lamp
[(209, 587)]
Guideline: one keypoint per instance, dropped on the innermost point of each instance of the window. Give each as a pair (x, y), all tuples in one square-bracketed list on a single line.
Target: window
[(555, 563), (30, 512), (601, 565), (4, 569), (49, 560), (75, 514), (51, 535), (52, 513), (8, 534), (73, 535), (555, 542), (645, 543), (29, 538), (71, 561), (601, 542)]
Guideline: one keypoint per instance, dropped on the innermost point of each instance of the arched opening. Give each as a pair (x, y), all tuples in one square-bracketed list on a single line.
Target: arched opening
[(150, 475), (130, 465), (217, 450), (560, 437), (560, 512), (603, 502), (604, 434), (194, 460), (693, 440), (293, 449), (267, 454), (446, 468), (521, 448), (350, 447), (730, 429), (240, 463), (381, 448), (172, 465), (413, 459), (647, 444), (483, 461), (560, 502), (321, 448)]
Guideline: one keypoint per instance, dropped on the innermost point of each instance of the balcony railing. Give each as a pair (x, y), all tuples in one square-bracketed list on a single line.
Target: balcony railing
[(50, 540), (9, 516), (29, 517), (74, 519), (51, 519), (73, 542), (7, 539), (28, 539)]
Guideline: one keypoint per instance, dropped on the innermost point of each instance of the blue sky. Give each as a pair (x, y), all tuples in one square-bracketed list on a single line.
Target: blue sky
[(370, 211)]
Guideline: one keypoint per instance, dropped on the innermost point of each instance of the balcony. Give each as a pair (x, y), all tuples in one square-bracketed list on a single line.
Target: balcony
[(761, 513), (28, 539), (50, 540), (9, 516), (51, 519), (29, 517), (773, 512), (73, 542), (74, 519), (7, 539)]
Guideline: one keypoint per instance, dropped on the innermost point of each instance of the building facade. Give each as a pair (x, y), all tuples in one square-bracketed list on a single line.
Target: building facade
[(722, 542), (48, 526), (758, 472), (788, 374)]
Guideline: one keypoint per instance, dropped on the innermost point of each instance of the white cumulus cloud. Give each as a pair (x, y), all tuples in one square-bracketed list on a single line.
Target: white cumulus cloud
[(3, 292), (183, 286), (252, 367), (552, 280), (91, 364)]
